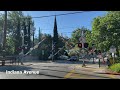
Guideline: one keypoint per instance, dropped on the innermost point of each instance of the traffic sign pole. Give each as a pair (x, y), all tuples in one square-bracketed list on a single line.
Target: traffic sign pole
[(99, 62), (113, 51), (83, 41)]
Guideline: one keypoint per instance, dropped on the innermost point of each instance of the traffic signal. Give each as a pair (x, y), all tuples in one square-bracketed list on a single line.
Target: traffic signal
[(80, 45), (85, 45)]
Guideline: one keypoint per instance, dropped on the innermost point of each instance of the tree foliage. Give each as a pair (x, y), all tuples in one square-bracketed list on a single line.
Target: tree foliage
[(14, 26), (106, 31)]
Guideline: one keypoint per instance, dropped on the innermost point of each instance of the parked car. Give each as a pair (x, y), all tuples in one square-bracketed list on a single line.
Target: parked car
[(73, 58), (63, 57), (50, 57)]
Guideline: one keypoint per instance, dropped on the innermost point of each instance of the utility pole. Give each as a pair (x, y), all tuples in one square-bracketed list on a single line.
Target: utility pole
[(5, 28), (4, 39)]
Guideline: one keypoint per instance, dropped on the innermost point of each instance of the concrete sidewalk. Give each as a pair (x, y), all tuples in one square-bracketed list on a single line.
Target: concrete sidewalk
[(94, 70)]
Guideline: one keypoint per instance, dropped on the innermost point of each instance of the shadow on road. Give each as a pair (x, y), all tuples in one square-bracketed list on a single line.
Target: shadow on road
[(87, 75), (78, 62), (14, 67)]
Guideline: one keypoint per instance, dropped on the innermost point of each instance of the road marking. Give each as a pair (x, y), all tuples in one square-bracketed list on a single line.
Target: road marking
[(74, 75), (69, 74), (78, 76), (112, 76)]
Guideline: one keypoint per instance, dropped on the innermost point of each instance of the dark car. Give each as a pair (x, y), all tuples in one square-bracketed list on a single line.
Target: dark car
[(73, 58)]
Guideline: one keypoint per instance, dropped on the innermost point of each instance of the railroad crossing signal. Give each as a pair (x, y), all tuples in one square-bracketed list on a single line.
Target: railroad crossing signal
[(80, 45), (85, 45)]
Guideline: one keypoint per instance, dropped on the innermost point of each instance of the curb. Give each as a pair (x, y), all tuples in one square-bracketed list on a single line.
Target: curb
[(110, 72)]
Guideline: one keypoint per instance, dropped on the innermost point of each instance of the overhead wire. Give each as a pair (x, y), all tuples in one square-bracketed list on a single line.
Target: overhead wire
[(63, 14)]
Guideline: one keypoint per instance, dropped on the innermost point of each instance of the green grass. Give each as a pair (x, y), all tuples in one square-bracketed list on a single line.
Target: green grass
[(115, 67)]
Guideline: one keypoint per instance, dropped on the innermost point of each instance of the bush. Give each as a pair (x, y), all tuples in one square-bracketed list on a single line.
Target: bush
[(116, 60), (115, 67)]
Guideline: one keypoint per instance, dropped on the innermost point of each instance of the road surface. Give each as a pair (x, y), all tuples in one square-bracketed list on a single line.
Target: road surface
[(55, 70)]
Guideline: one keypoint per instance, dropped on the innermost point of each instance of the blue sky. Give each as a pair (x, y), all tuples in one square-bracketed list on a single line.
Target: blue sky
[(66, 24)]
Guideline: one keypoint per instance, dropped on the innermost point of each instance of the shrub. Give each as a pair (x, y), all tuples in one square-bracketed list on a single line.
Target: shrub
[(115, 67), (116, 60)]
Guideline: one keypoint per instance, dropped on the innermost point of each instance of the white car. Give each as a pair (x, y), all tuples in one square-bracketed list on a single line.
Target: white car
[(73, 58), (63, 57)]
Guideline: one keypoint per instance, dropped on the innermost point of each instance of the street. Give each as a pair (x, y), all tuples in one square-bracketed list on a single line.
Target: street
[(57, 70)]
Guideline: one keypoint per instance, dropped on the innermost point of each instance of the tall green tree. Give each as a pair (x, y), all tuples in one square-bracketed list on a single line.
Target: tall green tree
[(55, 39), (44, 49), (73, 43), (14, 26), (25, 37), (18, 38), (106, 30), (77, 34)]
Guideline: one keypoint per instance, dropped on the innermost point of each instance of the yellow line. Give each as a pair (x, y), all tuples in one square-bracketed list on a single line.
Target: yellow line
[(70, 73), (112, 76)]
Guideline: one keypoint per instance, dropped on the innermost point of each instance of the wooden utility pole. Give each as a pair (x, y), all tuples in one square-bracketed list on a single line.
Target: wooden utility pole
[(4, 39), (5, 28)]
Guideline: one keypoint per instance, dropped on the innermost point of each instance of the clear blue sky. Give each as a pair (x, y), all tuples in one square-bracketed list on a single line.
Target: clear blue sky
[(66, 24)]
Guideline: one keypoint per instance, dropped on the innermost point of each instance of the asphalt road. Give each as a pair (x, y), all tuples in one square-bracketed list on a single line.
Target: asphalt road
[(55, 70)]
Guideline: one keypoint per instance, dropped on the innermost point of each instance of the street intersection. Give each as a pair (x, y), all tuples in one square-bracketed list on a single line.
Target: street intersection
[(57, 70)]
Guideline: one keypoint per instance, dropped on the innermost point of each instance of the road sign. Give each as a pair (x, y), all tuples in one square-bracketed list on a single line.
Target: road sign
[(112, 54), (113, 50), (99, 56)]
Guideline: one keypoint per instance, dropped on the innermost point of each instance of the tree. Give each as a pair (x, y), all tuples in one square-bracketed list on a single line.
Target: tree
[(55, 39), (18, 38), (14, 26), (106, 30), (73, 42), (45, 46), (29, 34), (77, 34)]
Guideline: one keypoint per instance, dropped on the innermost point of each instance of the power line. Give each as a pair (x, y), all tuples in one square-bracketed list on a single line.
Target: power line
[(63, 14), (62, 28)]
